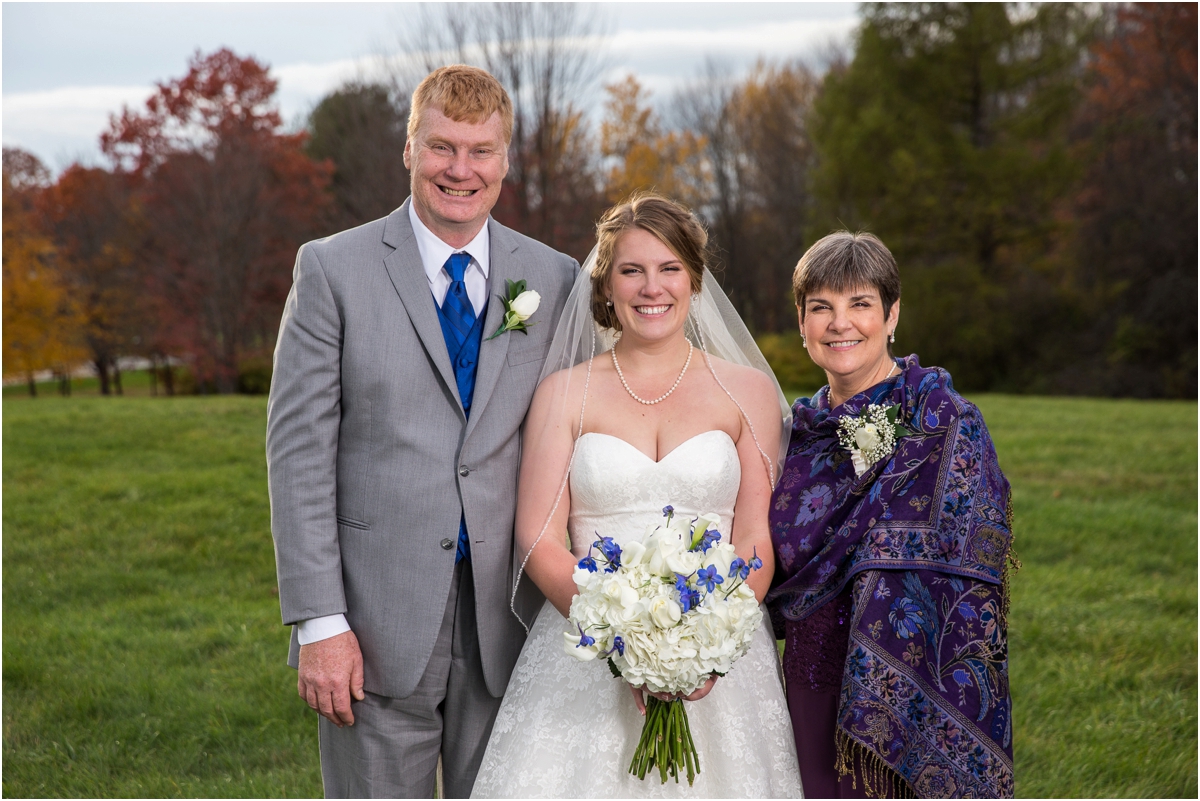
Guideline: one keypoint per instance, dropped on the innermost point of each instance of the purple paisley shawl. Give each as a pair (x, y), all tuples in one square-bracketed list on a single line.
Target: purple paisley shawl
[(921, 539)]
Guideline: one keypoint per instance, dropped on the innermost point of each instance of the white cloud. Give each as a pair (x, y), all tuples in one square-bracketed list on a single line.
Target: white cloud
[(776, 39), (64, 124), (303, 85)]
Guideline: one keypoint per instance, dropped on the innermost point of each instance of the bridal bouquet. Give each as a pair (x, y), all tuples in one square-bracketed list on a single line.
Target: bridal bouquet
[(667, 611)]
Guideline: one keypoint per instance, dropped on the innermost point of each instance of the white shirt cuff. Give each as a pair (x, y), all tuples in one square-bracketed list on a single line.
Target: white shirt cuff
[(321, 628)]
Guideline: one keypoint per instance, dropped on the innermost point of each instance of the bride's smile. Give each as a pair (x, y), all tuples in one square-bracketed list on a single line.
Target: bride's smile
[(650, 288)]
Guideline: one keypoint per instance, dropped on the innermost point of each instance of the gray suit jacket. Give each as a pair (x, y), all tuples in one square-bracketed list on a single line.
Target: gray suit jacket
[(370, 459)]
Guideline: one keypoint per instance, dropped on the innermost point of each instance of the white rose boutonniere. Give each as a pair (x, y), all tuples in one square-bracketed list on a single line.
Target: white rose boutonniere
[(519, 305), (871, 435)]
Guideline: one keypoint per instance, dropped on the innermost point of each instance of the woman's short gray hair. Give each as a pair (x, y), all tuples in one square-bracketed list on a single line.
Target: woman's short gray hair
[(844, 261)]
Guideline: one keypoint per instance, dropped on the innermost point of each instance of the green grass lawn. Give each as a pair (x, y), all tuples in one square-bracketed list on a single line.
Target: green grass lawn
[(143, 654)]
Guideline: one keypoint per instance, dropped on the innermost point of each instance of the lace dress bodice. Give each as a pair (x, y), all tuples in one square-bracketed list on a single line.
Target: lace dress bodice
[(617, 491), (568, 729)]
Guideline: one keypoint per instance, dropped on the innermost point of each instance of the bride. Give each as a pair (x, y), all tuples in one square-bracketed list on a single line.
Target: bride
[(653, 395)]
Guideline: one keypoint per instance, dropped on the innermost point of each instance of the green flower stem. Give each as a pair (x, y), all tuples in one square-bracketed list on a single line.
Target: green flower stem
[(666, 743)]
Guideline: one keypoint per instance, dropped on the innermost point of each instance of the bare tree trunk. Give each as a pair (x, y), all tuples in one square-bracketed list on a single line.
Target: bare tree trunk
[(154, 376), (117, 377), (32, 384), (102, 372)]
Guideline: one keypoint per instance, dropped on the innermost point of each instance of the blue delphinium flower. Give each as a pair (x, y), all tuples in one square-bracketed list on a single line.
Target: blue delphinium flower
[(584, 640), (668, 511), (739, 569), (710, 538), (618, 645), (588, 562), (611, 552), (688, 597), (709, 577), (755, 562)]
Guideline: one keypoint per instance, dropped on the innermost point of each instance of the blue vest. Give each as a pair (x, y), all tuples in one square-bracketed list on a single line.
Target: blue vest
[(465, 359)]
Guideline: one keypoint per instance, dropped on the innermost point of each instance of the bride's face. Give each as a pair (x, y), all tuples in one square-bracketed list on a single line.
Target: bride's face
[(649, 286)]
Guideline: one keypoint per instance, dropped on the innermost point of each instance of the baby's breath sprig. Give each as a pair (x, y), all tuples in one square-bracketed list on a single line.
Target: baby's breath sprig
[(871, 435)]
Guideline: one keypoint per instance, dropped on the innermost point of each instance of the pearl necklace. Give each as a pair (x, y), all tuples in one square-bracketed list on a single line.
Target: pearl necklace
[(621, 376)]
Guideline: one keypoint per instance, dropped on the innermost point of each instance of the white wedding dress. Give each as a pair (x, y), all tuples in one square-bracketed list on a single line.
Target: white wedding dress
[(568, 729)]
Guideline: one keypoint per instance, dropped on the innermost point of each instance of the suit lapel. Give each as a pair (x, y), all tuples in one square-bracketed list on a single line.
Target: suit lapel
[(408, 277), (494, 352)]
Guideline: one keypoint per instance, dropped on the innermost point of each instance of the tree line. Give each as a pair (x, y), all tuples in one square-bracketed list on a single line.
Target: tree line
[(1032, 167)]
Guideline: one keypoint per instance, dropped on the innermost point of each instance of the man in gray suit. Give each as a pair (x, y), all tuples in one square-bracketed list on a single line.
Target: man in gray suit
[(392, 452)]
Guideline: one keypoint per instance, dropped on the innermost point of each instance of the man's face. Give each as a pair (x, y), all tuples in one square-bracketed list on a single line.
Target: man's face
[(457, 169)]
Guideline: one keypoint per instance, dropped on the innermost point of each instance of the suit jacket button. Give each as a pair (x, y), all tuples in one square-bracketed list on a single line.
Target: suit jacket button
[(464, 471), (447, 544)]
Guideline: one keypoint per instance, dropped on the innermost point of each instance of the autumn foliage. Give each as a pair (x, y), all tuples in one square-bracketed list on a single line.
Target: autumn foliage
[(225, 199), (1033, 168)]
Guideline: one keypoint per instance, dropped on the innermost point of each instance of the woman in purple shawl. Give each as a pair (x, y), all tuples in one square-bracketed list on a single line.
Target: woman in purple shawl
[(892, 534)]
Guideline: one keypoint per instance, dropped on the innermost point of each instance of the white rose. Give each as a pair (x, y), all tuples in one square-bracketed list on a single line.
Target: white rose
[(721, 557), (525, 304), (867, 437), (665, 548), (665, 612), (684, 563)]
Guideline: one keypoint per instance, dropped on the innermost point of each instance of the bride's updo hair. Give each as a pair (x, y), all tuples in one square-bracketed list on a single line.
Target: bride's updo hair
[(671, 223)]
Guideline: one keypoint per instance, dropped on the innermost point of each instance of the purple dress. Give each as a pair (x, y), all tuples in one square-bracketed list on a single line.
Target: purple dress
[(813, 656)]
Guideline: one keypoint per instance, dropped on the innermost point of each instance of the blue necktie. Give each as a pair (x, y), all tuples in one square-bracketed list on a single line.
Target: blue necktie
[(459, 312), (457, 306)]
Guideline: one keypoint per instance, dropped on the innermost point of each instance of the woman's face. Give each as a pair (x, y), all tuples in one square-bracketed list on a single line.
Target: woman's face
[(846, 333), (649, 286)]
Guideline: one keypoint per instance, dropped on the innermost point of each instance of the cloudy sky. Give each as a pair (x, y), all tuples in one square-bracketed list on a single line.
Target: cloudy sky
[(67, 66)]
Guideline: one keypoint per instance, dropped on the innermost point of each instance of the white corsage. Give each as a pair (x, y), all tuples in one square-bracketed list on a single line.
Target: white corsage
[(519, 306), (871, 435)]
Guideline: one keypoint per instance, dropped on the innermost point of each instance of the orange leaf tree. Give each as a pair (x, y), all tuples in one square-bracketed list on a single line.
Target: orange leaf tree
[(41, 323)]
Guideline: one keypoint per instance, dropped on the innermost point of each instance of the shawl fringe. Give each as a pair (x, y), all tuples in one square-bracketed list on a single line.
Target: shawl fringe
[(879, 779), (1012, 565)]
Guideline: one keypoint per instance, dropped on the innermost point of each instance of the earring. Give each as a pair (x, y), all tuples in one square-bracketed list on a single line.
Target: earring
[(608, 303), (892, 337), (803, 341)]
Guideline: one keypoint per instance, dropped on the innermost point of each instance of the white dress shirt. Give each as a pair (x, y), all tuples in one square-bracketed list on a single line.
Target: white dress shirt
[(434, 253)]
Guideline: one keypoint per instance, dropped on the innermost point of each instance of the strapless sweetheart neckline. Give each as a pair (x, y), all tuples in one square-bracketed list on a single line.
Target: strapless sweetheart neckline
[(669, 453)]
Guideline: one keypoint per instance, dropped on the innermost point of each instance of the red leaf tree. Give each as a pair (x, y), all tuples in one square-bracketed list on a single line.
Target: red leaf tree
[(227, 197), (90, 214)]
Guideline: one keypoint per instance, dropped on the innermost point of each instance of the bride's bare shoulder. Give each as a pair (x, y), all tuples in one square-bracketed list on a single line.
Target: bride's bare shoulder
[(568, 385), (742, 379)]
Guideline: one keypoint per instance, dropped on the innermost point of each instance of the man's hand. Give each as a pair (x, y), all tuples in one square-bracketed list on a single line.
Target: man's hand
[(331, 671)]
